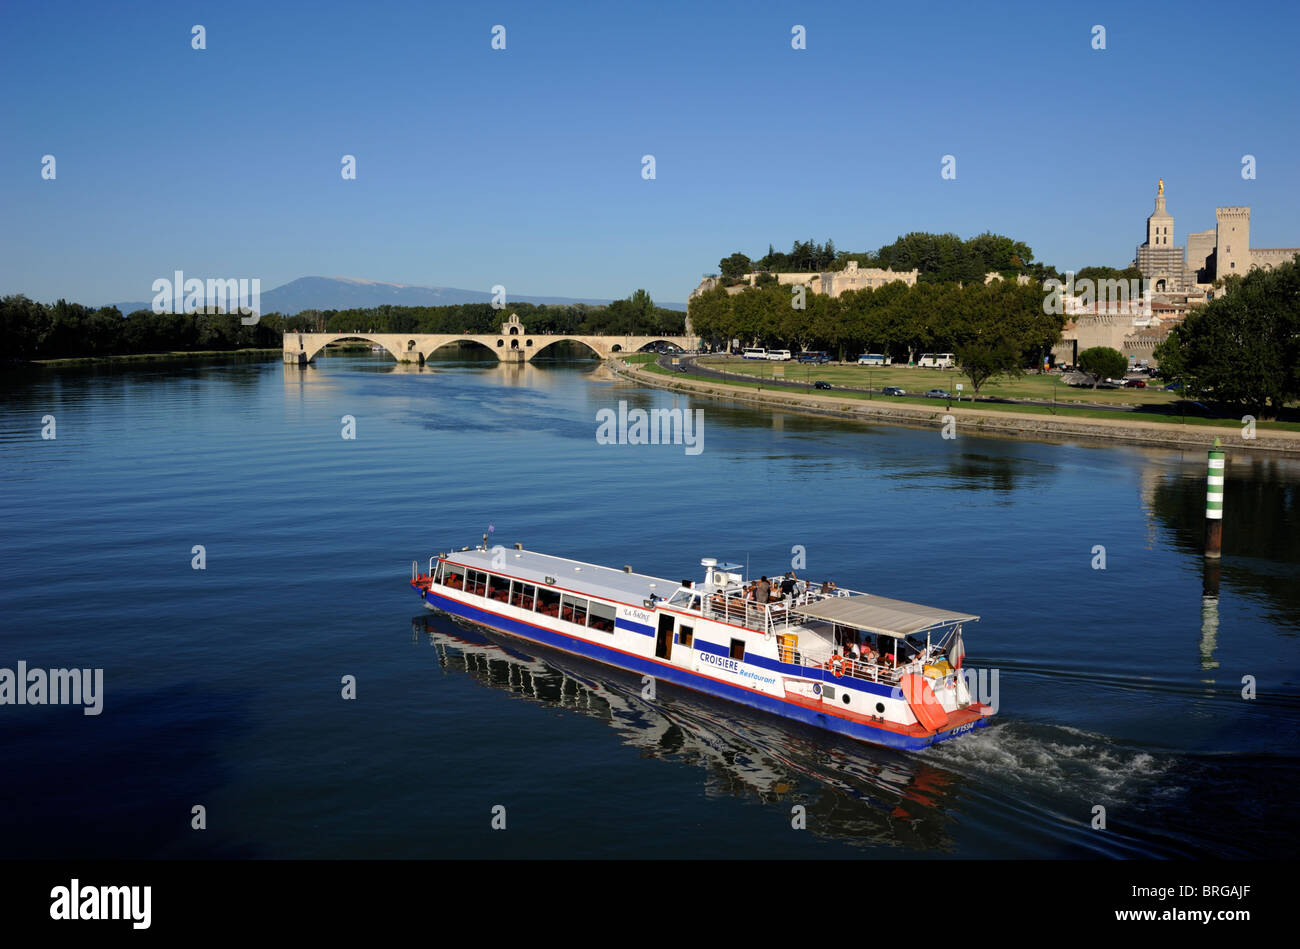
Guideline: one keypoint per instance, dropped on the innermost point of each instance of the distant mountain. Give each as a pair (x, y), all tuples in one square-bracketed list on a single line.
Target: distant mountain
[(343, 293)]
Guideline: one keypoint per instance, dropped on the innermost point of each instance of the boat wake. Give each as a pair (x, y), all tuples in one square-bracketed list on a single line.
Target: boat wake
[(1055, 758)]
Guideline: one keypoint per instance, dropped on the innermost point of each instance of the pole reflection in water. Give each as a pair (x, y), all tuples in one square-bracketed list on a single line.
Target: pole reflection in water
[(852, 791), (1210, 613)]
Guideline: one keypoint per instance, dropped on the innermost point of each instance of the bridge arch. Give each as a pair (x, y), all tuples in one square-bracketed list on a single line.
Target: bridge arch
[(376, 339), (652, 340), (546, 342), (446, 341)]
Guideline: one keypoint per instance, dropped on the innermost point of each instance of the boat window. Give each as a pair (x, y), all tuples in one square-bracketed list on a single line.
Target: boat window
[(476, 582), (737, 649), (454, 576), (685, 635), (498, 588), (548, 601), (602, 617), (523, 595), (574, 609)]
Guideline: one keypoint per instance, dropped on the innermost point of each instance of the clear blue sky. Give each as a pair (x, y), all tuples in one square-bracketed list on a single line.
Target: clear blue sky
[(478, 167)]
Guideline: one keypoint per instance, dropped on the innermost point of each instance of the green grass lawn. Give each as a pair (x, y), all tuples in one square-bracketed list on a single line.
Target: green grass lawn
[(1063, 410), (916, 380)]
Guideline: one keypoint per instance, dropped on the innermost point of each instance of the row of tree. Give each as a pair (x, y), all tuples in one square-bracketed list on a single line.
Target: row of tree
[(1242, 348), (940, 258), (993, 329), (31, 330)]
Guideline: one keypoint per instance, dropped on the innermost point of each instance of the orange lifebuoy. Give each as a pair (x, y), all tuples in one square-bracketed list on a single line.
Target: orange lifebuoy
[(837, 665), (848, 667)]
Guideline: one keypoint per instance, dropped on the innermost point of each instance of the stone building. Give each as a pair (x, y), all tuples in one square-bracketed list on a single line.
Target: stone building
[(833, 283), (1211, 255)]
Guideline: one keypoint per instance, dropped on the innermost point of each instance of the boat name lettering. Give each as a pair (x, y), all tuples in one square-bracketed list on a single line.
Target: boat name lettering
[(722, 662)]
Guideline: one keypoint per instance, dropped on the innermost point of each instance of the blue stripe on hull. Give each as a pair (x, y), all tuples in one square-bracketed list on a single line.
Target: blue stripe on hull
[(687, 679)]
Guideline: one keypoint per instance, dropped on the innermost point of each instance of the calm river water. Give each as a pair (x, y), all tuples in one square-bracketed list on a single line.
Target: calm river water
[(1118, 688)]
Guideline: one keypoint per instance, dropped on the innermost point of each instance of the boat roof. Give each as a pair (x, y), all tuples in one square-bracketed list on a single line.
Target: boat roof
[(880, 614), (588, 578)]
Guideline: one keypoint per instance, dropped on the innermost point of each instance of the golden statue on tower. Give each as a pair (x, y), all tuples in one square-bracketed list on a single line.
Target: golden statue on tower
[(1162, 187)]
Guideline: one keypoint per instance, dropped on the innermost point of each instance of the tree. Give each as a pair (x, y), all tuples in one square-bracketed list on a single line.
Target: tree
[(989, 329), (1102, 362), (1242, 348), (981, 361), (711, 315), (737, 265)]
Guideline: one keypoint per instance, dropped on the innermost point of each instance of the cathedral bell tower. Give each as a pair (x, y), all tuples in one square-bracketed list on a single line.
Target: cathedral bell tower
[(1160, 225)]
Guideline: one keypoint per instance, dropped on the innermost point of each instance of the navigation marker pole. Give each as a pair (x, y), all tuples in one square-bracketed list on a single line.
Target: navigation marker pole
[(1214, 502)]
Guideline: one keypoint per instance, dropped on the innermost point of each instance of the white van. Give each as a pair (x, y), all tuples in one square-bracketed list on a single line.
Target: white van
[(937, 360), (779, 355), (874, 359)]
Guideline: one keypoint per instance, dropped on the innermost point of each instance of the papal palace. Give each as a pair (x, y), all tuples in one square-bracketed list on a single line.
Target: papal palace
[(1175, 278)]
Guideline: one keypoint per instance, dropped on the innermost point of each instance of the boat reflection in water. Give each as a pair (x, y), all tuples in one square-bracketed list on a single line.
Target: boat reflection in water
[(855, 792)]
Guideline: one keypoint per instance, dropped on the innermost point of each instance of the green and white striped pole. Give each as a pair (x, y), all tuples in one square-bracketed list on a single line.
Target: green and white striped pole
[(1214, 502)]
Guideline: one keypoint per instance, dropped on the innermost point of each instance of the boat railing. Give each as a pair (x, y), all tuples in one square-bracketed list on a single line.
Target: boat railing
[(864, 670), (730, 607)]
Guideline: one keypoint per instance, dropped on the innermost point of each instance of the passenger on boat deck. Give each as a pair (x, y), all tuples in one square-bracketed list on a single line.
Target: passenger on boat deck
[(829, 586), (788, 584), (869, 653), (850, 649), (763, 591)]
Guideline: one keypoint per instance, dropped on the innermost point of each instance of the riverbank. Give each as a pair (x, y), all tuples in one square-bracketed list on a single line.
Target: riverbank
[(1198, 433), (149, 357)]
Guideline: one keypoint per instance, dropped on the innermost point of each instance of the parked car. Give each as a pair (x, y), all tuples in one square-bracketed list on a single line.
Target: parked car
[(1107, 385), (1174, 387), (1135, 383), (821, 384), (892, 390), (938, 394)]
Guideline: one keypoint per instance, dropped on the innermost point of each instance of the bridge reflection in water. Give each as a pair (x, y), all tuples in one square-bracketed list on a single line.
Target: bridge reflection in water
[(853, 792)]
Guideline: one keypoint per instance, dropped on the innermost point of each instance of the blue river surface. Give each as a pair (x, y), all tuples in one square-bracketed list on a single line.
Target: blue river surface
[(1123, 691)]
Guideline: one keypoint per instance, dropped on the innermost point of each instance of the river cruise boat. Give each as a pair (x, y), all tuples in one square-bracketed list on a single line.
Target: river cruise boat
[(876, 669)]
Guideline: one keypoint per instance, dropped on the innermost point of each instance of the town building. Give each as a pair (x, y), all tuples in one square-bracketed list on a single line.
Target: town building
[(1222, 251), (832, 283)]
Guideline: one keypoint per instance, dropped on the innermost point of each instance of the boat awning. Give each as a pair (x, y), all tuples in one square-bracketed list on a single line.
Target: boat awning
[(879, 614)]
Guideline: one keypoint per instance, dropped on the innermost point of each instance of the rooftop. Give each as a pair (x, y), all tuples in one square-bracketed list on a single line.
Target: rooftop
[(609, 583), (880, 614)]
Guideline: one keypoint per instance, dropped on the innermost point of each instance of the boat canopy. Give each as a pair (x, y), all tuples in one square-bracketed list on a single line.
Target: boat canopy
[(879, 614)]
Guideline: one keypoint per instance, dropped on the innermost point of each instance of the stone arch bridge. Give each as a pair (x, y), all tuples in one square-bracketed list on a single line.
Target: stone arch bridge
[(514, 346)]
